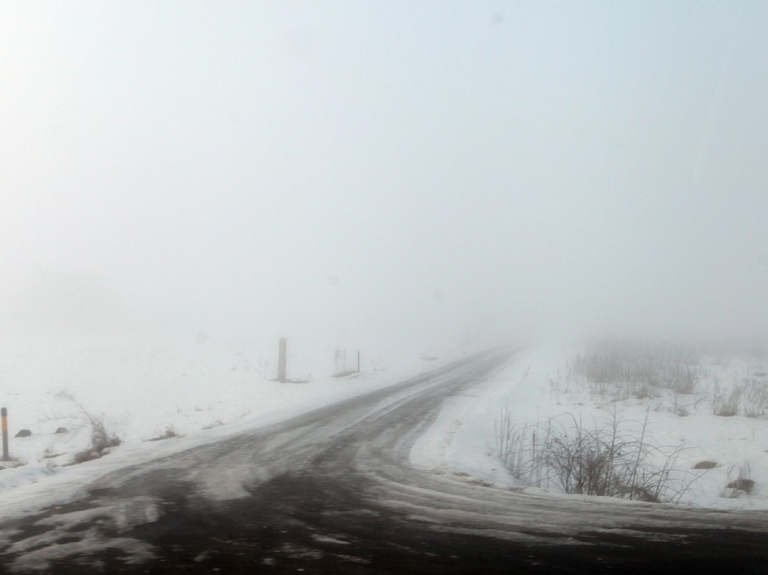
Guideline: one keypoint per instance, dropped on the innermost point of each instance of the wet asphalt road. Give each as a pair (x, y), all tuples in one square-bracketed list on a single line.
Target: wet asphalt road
[(332, 491)]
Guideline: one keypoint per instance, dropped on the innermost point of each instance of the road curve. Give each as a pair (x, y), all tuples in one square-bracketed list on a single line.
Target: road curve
[(332, 491)]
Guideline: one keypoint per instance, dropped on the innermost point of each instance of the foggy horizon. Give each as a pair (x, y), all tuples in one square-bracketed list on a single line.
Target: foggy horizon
[(356, 170)]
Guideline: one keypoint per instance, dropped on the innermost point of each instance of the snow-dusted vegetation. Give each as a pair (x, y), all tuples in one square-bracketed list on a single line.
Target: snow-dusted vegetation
[(639, 421), (559, 419)]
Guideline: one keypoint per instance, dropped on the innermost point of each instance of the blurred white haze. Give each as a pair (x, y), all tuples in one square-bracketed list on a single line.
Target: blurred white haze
[(378, 170)]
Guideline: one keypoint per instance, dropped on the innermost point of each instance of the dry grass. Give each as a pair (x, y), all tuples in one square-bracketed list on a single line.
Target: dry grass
[(638, 369), (726, 403)]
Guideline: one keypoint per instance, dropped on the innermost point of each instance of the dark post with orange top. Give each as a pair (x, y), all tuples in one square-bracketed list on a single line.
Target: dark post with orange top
[(4, 415)]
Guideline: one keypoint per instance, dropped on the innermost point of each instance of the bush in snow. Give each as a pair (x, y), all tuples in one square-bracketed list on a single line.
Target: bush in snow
[(726, 403), (755, 397), (101, 439), (742, 484), (169, 433), (592, 459)]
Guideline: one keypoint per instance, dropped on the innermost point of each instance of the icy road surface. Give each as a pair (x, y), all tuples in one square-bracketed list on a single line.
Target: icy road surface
[(333, 491)]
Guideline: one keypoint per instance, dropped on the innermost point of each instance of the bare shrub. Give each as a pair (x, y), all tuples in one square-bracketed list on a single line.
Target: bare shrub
[(509, 444), (101, 439), (169, 433), (582, 459), (558, 384), (685, 409), (742, 484), (681, 378), (726, 403), (340, 359), (755, 397), (598, 459), (512, 448), (645, 391), (213, 424)]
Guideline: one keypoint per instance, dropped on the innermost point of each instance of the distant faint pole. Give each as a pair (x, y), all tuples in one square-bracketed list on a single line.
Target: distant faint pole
[(281, 360), (358, 361), (4, 415)]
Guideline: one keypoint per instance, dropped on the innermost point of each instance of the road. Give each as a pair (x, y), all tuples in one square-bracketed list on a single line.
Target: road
[(332, 491)]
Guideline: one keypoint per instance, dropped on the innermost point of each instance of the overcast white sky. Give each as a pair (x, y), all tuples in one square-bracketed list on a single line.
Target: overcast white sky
[(412, 167)]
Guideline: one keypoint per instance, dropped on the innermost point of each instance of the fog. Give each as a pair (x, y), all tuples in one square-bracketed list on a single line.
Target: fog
[(354, 170)]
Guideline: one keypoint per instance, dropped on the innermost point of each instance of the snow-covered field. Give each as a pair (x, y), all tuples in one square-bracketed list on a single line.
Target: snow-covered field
[(196, 388), (542, 386)]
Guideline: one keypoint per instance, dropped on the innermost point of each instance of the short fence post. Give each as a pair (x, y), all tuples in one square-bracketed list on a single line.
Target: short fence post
[(281, 361), (4, 415)]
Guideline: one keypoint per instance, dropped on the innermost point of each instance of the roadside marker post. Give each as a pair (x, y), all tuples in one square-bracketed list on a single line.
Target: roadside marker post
[(281, 361), (4, 415)]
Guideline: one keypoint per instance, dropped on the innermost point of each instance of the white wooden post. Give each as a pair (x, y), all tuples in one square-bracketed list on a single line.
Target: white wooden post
[(281, 360)]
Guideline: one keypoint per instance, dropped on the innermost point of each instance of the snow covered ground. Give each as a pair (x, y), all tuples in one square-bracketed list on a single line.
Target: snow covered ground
[(197, 388), (541, 384)]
